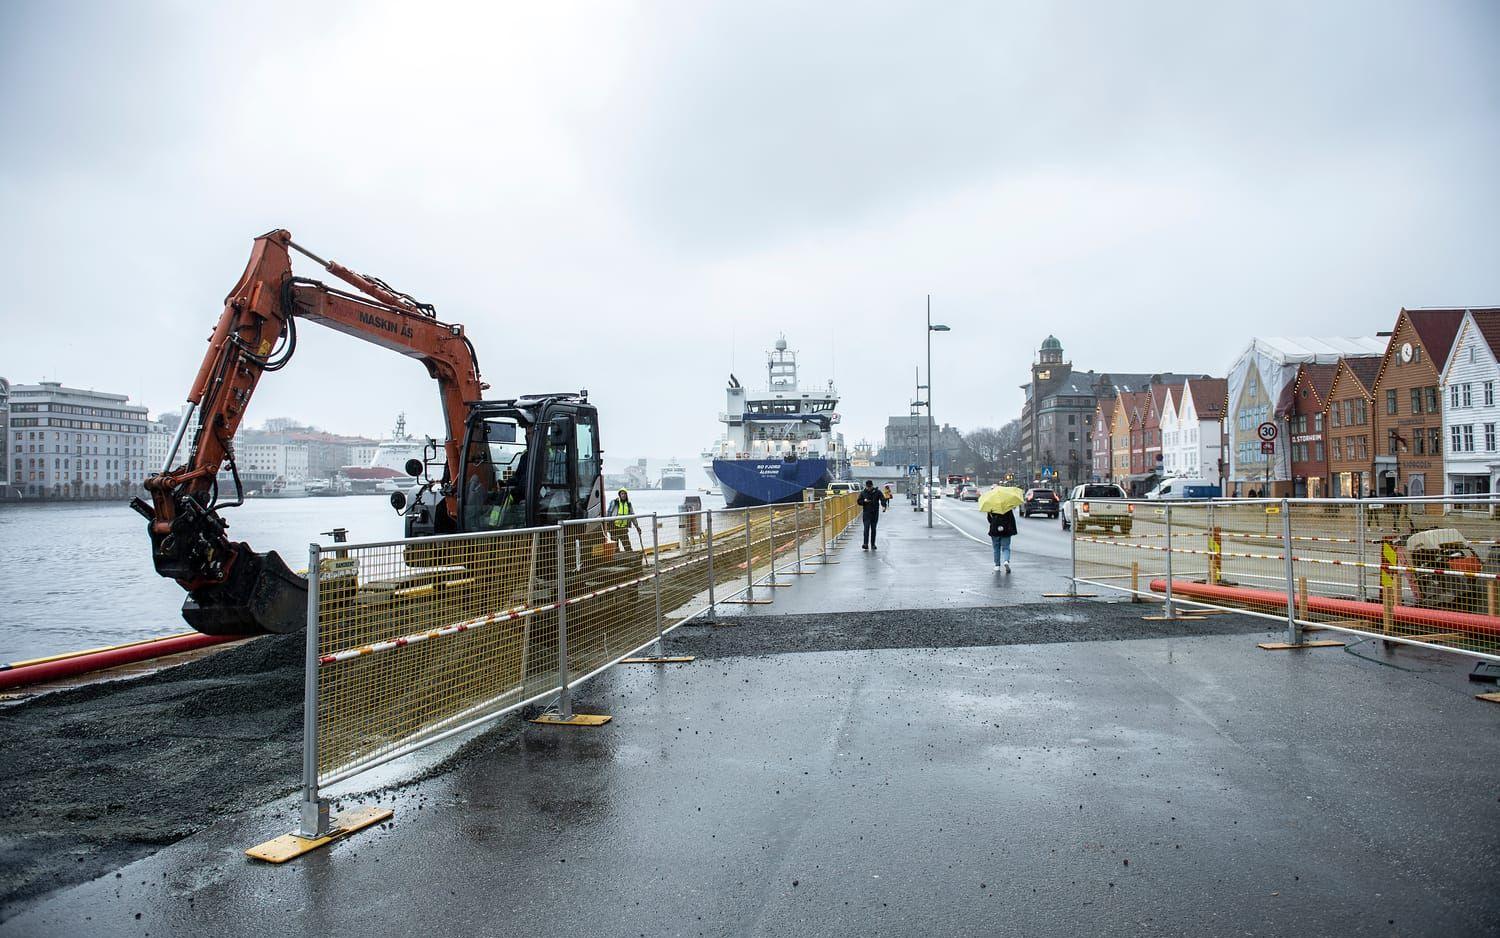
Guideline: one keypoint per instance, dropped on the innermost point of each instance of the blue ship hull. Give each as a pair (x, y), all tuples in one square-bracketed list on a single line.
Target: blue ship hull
[(750, 482)]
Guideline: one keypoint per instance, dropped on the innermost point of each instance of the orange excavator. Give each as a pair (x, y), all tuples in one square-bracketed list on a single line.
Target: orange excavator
[(514, 463)]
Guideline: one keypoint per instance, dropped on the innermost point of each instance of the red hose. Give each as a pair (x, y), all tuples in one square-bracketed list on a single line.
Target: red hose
[(107, 658), (1443, 620)]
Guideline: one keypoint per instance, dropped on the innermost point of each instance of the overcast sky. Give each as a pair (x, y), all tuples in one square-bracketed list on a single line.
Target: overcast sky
[(637, 198)]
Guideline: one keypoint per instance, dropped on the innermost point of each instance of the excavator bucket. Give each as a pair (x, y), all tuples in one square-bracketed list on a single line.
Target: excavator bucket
[(259, 595)]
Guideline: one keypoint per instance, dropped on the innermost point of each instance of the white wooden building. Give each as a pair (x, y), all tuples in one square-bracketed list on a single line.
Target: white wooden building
[(1195, 448), (1470, 386)]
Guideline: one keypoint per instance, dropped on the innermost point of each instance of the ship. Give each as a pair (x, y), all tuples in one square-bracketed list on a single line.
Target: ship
[(386, 470), (673, 477), (778, 442)]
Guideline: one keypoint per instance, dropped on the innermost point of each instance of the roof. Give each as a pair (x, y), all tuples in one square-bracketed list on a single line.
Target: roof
[(1133, 401), (1364, 368), (1325, 349), (1051, 343), (1159, 394), (1107, 405), (1210, 396), (1437, 329), (1316, 376), (1488, 321)]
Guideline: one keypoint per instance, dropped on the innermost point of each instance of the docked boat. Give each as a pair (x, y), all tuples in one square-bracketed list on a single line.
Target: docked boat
[(779, 441), (386, 470), (673, 477)]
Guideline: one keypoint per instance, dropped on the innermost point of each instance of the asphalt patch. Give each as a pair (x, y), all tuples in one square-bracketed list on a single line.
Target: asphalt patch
[(98, 776), (954, 627)]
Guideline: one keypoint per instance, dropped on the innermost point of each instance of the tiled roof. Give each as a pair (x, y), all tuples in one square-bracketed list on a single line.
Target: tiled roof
[(1364, 368), (1488, 321), (1209, 397), (1436, 328)]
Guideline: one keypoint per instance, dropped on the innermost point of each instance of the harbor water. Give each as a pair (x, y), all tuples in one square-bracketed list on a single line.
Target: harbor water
[(78, 574)]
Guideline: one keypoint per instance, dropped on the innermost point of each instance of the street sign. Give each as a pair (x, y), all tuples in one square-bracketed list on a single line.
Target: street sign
[(1266, 431), (1268, 447)]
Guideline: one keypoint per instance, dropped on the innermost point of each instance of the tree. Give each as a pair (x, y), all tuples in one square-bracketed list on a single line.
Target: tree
[(995, 452)]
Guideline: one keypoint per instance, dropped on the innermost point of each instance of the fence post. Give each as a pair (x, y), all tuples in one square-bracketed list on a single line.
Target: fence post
[(771, 510), (1293, 626), (823, 528), (749, 556), (565, 697), (1072, 560), (1169, 614), (1359, 515), (314, 820), (713, 614), (656, 576), (797, 533)]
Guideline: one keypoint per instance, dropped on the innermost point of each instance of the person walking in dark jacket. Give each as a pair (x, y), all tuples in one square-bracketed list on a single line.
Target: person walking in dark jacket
[(1002, 529), (873, 503)]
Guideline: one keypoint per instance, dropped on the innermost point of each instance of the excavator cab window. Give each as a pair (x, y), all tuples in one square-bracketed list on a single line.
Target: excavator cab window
[(587, 456), (555, 483), (495, 489)]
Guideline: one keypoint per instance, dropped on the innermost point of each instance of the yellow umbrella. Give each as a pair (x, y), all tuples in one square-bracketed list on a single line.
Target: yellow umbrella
[(1000, 499)]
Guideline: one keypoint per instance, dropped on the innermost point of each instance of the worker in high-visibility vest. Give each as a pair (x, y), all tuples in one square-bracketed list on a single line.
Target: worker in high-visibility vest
[(620, 524)]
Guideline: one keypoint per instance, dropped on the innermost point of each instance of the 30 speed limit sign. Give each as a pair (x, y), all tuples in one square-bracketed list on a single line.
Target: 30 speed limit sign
[(1266, 431)]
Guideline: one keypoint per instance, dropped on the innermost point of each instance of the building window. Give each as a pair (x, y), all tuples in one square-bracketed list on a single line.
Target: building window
[(1468, 438), (1390, 402), (1338, 447), (1390, 441), (1333, 414), (1317, 423), (1318, 451), (1421, 442), (1416, 400), (1489, 438), (1437, 440), (1457, 435), (1489, 394), (1432, 398), (1453, 396), (1468, 395), (1416, 354)]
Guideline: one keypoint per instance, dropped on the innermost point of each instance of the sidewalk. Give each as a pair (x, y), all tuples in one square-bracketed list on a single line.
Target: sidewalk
[(916, 567), (1190, 785)]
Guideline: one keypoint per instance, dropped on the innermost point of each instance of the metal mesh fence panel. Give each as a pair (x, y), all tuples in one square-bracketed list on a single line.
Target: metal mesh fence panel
[(418, 637), (1417, 571)]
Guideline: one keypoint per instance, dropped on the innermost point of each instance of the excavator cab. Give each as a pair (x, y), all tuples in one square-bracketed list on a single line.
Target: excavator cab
[(527, 462)]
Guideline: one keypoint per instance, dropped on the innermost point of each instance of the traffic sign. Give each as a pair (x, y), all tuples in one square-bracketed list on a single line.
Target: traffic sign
[(1266, 431), (1267, 447)]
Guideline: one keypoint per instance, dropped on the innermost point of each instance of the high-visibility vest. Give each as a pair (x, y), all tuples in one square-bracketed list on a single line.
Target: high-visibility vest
[(622, 508)]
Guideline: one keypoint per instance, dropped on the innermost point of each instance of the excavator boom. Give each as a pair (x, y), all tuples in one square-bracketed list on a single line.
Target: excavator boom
[(233, 590)]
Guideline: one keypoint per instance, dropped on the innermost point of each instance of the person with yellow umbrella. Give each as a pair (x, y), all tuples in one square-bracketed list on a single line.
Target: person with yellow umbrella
[(999, 504)]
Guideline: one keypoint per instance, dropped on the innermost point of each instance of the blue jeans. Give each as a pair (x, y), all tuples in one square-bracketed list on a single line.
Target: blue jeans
[(1001, 543)]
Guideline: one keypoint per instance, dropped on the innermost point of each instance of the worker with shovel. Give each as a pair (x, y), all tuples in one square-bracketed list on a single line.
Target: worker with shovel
[(620, 509)]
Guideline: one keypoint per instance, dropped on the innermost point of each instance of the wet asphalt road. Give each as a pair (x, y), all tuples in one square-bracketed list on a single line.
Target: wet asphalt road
[(949, 769)]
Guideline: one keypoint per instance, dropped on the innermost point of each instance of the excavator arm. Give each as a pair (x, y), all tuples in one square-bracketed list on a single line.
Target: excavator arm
[(231, 588)]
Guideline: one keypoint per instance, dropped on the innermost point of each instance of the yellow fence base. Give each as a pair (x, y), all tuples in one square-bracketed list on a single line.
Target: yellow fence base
[(578, 719), (291, 846), (1288, 646), (663, 659)]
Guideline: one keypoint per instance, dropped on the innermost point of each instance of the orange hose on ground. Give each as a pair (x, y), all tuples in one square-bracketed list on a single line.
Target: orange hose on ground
[(1445, 620), (103, 658)]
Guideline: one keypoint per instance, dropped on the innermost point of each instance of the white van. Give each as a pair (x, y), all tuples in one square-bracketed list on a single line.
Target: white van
[(1183, 488)]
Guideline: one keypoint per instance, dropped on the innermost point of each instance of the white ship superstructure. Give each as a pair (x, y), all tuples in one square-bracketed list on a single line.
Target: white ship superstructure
[(778, 440)]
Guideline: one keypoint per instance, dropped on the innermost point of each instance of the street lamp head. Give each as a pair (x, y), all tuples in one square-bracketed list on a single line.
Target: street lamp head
[(939, 328)]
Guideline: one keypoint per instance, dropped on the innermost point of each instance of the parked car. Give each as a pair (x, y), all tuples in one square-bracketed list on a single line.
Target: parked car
[(1184, 488), (1040, 502), (968, 493), (1097, 505)]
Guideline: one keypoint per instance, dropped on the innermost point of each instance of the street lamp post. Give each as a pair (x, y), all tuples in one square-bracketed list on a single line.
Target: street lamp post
[(930, 330)]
